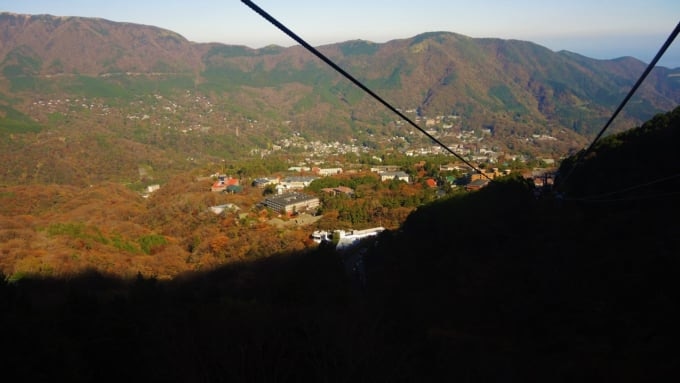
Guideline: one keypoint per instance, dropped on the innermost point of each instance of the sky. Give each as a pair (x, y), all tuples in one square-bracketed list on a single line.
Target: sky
[(600, 29)]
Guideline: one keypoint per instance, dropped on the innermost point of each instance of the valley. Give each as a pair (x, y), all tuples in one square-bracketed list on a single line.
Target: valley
[(94, 114)]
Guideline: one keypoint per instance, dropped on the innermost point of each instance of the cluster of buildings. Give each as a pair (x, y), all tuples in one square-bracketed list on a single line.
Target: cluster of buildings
[(226, 184), (391, 172), (288, 200), (286, 184), (287, 197), (292, 183), (321, 172), (314, 148), (479, 180)]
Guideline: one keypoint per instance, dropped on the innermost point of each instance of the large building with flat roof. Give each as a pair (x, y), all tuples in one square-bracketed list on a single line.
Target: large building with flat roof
[(289, 203)]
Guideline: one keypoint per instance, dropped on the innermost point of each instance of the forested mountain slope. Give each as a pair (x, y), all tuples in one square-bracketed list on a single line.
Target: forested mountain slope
[(85, 91), (493, 285)]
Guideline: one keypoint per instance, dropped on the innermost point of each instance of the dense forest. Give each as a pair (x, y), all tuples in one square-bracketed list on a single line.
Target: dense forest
[(58, 230), (503, 284)]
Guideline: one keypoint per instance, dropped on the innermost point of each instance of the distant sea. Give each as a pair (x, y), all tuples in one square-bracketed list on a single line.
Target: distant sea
[(643, 48)]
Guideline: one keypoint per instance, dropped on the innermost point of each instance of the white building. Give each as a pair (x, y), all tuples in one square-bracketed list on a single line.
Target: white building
[(327, 171), (388, 176), (319, 236), (352, 237), (152, 188), (299, 182)]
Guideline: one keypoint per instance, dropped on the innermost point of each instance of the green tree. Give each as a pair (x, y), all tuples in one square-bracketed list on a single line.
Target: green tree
[(269, 189)]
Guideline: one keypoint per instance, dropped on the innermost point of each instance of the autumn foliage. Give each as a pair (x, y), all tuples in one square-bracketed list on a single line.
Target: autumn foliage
[(60, 230)]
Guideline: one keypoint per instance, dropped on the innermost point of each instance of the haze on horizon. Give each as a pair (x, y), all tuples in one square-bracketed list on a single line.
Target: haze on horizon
[(602, 30)]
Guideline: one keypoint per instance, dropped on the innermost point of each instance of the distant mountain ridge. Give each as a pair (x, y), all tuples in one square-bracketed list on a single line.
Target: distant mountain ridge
[(49, 45), (511, 89)]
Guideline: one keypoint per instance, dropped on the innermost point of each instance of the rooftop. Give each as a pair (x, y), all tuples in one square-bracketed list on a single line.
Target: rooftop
[(289, 198)]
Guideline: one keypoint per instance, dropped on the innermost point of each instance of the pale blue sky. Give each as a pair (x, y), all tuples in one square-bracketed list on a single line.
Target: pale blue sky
[(599, 29)]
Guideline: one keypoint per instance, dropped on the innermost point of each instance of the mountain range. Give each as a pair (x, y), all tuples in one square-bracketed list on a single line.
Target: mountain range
[(571, 284), (91, 89)]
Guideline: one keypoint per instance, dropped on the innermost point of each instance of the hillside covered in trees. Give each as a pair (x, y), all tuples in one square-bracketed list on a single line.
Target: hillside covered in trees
[(503, 284), (87, 100)]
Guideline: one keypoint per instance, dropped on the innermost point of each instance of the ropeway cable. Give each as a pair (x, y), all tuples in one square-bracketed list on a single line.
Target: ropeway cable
[(649, 68)]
